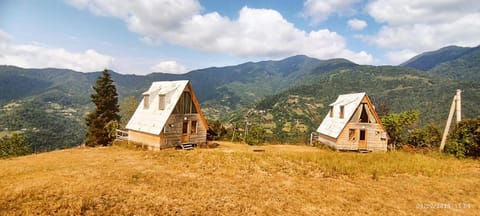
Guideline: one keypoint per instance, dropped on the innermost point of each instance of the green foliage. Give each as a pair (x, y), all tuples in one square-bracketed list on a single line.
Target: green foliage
[(465, 67), (13, 146), (464, 140), (397, 124), (43, 127), (100, 121), (256, 135), (428, 136), (127, 107)]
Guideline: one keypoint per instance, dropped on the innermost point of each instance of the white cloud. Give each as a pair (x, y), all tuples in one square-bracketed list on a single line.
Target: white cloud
[(400, 56), (169, 67), (357, 24), (255, 33), (38, 56), (4, 37), (319, 10), (418, 26)]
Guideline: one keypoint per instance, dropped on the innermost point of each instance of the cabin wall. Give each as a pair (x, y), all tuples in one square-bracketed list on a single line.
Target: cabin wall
[(373, 137), (329, 141), (174, 130), (151, 141)]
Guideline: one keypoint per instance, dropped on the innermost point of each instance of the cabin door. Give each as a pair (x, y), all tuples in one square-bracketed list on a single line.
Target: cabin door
[(362, 141), (185, 135)]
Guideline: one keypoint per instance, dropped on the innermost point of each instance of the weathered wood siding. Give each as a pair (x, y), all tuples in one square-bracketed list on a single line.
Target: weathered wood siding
[(172, 134), (329, 141), (373, 136), (152, 141), (173, 131)]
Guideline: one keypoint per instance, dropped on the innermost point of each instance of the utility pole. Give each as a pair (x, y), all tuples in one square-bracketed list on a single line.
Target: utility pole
[(456, 105)]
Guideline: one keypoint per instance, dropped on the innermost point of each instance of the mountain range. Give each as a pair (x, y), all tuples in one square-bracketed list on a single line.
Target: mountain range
[(284, 97)]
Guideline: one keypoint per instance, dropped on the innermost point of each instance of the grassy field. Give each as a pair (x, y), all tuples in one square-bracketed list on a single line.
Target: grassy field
[(234, 180)]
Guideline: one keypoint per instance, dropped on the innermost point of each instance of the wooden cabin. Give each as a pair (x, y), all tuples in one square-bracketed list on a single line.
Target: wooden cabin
[(353, 124), (168, 115)]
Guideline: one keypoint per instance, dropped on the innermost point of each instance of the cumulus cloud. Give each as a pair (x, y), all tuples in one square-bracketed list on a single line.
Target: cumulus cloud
[(357, 24), (169, 67), (4, 37), (39, 56), (400, 56), (319, 10), (255, 33), (418, 26)]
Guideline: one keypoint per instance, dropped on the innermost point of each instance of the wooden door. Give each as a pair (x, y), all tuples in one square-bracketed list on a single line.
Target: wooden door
[(185, 135), (362, 141)]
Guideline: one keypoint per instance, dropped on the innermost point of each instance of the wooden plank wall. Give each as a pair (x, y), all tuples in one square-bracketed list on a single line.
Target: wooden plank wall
[(173, 135), (373, 136), (152, 141)]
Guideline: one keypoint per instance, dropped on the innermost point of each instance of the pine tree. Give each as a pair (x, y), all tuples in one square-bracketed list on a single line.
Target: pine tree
[(106, 111)]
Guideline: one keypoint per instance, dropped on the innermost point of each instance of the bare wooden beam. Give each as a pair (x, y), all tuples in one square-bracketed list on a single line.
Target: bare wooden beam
[(449, 121), (459, 105)]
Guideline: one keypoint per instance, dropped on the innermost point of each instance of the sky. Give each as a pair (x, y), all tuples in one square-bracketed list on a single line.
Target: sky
[(177, 36)]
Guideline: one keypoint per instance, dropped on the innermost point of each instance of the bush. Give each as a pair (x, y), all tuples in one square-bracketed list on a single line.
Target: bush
[(464, 140), (425, 137), (256, 135), (13, 146)]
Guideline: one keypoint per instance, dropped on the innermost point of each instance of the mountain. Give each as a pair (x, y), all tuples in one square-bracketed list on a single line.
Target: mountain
[(466, 67), (452, 62), (49, 105), (429, 60), (225, 88), (287, 97)]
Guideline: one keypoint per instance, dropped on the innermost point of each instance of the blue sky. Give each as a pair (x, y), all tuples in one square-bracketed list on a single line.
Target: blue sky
[(176, 36)]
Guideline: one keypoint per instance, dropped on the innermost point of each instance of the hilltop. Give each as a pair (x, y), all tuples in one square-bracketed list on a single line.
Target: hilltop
[(234, 180)]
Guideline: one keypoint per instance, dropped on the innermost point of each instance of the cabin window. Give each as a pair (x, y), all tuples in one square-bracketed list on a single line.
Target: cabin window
[(185, 127), (193, 127), (161, 102), (351, 134), (362, 135), (342, 109), (146, 102), (185, 104), (187, 101), (331, 111), (364, 115)]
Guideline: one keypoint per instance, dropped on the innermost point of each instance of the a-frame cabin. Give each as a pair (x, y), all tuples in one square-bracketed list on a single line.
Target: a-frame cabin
[(168, 115), (353, 124)]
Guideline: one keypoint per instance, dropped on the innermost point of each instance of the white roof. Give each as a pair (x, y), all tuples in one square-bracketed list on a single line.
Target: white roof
[(152, 120), (333, 126)]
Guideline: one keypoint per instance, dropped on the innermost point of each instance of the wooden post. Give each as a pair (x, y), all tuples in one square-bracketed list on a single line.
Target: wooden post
[(459, 105), (233, 134), (449, 121), (311, 138)]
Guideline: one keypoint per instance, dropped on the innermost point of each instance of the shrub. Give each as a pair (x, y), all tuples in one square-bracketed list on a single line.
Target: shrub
[(464, 140)]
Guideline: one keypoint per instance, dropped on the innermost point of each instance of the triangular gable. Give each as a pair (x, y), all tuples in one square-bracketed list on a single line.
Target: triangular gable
[(333, 125), (197, 105), (152, 119)]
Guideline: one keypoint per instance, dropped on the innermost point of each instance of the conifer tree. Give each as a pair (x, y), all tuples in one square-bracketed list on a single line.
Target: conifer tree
[(106, 111)]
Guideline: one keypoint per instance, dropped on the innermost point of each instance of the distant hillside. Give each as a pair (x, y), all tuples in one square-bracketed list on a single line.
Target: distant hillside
[(429, 60), (49, 105), (289, 95), (302, 108), (466, 67)]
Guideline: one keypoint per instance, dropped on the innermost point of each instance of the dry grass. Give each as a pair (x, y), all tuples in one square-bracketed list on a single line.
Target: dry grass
[(234, 180)]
